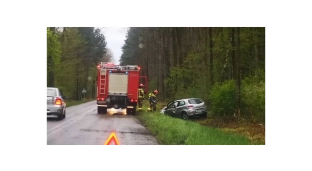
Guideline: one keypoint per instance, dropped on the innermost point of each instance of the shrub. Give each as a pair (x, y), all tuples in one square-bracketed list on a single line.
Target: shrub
[(223, 98), (253, 96)]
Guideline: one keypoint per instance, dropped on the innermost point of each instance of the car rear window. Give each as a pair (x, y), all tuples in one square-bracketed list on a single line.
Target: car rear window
[(51, 92), (195, 101)]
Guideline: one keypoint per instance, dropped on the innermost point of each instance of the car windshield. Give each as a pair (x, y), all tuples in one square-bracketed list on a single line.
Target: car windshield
[(51, 92), (195, 101)]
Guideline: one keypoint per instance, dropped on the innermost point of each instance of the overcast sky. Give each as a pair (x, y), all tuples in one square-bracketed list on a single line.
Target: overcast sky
[(115, 38)]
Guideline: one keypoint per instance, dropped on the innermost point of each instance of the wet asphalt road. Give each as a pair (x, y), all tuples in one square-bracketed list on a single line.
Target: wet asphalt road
[(83, 126)]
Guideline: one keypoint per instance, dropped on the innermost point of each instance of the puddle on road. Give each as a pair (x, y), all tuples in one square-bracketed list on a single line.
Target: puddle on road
[(139, 131)]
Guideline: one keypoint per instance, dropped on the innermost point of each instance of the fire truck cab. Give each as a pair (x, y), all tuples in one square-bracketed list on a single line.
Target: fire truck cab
[(117, 87)]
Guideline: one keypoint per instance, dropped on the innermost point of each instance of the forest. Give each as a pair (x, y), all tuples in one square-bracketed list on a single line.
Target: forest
[(72, 56), (225, 66)]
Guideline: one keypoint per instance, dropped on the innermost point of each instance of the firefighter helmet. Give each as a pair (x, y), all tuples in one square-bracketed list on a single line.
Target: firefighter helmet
[(155, 91), (141, 85)]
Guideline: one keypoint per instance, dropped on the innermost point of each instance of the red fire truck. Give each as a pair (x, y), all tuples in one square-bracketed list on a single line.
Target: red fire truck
[(117, 87)]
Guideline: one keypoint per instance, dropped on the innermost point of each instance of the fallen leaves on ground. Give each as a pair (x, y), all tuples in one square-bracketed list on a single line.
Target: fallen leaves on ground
[(254, 131)]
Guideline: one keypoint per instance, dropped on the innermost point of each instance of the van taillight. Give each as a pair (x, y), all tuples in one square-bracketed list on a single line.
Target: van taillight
[(58, 101)]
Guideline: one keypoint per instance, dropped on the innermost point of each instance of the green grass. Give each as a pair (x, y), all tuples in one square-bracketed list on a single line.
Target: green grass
[(175, 131), (77, 102)]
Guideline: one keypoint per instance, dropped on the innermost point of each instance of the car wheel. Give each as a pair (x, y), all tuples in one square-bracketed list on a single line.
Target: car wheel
[(64, 116), (60, 116), (184, 116)]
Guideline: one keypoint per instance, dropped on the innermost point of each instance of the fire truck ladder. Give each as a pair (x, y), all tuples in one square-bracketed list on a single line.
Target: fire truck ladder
[(102, 84)]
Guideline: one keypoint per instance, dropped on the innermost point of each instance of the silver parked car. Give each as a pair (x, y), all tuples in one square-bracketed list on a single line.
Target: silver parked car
[(186, 108), (56, 103)]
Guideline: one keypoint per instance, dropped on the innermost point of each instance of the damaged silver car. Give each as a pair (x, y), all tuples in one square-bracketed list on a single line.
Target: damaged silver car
[(186, 108)]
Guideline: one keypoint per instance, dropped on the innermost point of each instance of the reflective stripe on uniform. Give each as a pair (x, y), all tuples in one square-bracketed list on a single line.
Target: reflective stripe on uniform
[(141, 93)]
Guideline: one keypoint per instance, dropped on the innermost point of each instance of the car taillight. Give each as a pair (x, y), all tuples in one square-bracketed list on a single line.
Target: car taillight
[(136, 100), (131, 100), (98, 99), (190, 106), (58, 101), (102, 99)]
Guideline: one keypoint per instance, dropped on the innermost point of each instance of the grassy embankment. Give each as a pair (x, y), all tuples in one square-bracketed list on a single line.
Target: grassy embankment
[(250, 122), (77, 102), (175, 131)]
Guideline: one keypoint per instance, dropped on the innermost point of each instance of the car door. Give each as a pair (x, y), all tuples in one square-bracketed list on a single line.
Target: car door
[(172, 108), (167, 112), (179, 108)]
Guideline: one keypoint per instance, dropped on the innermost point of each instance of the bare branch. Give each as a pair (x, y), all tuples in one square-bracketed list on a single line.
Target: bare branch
[(108, 56)]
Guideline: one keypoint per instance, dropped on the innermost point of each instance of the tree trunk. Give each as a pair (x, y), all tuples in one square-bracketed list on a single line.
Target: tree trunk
[(179, 36), (211, 56), (233, 53), (206, 35), (174, 47), (238, 71)]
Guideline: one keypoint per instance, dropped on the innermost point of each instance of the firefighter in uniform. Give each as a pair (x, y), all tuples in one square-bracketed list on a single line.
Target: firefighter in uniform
[(141, 96), (151, 97)]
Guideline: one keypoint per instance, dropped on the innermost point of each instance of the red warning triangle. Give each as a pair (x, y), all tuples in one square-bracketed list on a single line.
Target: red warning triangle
[(112, 138)]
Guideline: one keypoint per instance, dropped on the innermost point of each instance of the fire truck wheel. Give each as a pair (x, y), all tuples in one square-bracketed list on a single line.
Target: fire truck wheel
[(131, 111), (104, 110), (99, 110), (128, 111)]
